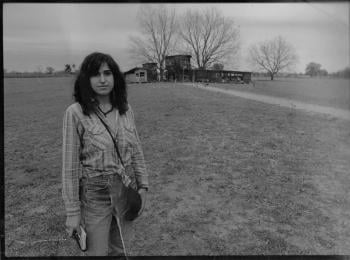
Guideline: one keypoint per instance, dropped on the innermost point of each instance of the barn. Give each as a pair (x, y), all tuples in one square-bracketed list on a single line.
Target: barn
[(178, 67), (152, 71), (136, 75)]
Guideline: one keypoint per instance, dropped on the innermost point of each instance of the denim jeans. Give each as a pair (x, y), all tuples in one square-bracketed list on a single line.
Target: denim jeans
[(103, 201)]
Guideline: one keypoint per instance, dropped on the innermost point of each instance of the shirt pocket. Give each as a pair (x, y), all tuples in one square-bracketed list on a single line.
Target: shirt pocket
[(97, 136)]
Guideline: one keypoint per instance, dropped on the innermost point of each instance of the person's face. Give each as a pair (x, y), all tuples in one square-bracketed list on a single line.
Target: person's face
[(103, 82)]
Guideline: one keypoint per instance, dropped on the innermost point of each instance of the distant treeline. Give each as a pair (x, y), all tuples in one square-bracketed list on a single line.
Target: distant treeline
[(37, 74), (343, 73), (339, 74)]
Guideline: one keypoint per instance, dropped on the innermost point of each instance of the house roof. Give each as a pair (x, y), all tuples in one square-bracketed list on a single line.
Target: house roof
[(133, 70)]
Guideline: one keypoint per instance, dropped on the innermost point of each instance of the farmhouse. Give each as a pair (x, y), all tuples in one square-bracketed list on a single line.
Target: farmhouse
[(178, 68), (136, 75)]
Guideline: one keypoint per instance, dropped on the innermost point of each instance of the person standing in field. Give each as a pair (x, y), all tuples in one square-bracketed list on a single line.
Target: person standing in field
[(92, 187)]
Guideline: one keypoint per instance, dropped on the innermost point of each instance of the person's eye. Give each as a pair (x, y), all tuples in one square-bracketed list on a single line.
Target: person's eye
[(108, 73)]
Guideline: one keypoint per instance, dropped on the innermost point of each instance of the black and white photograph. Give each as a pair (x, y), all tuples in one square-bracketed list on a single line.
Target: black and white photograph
[(176, 129)]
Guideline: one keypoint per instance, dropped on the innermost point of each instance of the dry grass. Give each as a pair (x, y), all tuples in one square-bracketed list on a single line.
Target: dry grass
[(228, 176), (333, 92)]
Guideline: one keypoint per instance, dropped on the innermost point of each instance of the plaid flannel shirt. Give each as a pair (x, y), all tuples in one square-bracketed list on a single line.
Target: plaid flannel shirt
[(88, 150)]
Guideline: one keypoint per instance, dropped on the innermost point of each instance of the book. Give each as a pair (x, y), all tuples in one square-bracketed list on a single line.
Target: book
[(80, 238)]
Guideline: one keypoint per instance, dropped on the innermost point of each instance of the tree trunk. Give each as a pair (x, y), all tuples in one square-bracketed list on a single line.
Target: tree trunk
[(161, 73), (271, 76)]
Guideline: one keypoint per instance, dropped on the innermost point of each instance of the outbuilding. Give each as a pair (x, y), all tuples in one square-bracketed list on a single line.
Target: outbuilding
[(136, 75)]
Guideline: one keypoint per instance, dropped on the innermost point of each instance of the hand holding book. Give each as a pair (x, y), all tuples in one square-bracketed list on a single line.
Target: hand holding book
[(80, 238)]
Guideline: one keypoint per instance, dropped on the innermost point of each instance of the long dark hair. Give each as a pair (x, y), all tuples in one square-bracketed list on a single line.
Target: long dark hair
[(85, 95)]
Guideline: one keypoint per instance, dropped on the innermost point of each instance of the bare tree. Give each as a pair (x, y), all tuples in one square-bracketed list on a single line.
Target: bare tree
[(210, 36), (273, 56), (158, 25)]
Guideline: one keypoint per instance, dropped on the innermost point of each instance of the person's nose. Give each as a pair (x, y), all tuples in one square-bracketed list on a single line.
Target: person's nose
[(102, 78)]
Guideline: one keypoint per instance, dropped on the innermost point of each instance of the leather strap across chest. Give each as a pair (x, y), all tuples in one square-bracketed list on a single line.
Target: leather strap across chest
[(125, 179)]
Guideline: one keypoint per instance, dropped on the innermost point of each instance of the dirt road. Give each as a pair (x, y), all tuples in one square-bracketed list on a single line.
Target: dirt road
[(293, 104)]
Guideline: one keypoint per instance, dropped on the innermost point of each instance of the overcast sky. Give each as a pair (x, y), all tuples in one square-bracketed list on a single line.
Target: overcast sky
[(41, 35)]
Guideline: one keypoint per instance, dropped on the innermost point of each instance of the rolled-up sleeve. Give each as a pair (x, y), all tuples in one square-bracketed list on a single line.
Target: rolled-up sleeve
[(71, 166), (138, 160)]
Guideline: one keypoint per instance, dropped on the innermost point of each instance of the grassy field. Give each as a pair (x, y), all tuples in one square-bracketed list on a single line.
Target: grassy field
[(320, 91), (228, 176)]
